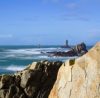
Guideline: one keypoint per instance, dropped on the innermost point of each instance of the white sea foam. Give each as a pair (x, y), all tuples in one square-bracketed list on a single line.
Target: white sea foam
[(30, 51), (43, 57), (10, 55), (24, 51), (15, 68), (26, 58)]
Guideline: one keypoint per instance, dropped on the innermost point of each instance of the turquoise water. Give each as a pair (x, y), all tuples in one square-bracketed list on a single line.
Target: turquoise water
[(16, 58)]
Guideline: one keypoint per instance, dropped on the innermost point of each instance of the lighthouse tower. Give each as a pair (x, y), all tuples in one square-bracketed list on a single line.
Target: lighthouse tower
[(67, 43)]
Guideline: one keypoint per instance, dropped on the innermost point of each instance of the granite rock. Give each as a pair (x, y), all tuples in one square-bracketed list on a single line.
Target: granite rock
[(79, 78)]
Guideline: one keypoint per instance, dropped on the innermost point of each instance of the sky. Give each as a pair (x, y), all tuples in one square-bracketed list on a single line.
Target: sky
[(49, 22)]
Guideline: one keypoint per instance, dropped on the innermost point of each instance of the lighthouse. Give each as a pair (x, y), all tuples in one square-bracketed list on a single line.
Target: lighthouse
[(67, 43)]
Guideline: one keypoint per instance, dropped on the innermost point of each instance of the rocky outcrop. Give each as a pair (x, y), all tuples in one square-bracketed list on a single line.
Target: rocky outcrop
[(35, 81), (78, 50), (79, 78)]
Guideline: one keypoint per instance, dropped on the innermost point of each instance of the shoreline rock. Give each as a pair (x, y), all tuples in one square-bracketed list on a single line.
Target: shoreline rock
[(79, 79), (35, 81), (75, 78)]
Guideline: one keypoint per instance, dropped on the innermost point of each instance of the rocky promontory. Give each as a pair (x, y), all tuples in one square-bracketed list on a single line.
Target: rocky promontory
[(75, 78)]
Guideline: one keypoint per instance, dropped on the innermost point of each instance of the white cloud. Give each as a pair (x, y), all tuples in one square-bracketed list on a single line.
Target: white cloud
[(6, 35)]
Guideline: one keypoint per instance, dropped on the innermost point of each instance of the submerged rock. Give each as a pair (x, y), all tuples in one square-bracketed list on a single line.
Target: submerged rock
[(79, 78)]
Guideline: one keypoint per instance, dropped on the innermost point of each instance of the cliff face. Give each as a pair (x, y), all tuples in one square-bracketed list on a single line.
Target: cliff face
[(79, 78)]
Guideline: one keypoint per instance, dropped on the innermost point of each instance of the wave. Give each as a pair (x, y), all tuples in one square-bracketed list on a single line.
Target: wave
[(43, 57), (32, 50), (24, 51), (13, 68), (16, 53)]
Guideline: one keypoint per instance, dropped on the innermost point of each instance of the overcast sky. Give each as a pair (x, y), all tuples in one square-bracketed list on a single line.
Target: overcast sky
[(49, 22)]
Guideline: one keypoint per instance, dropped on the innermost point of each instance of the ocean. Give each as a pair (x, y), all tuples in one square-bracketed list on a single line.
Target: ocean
[(16, 58)]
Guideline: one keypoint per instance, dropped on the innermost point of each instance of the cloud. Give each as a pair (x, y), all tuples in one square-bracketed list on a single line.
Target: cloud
[(6, 35), (71, 5)]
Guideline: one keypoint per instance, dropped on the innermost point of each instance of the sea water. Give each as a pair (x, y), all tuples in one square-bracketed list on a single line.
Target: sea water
[(16, 58)]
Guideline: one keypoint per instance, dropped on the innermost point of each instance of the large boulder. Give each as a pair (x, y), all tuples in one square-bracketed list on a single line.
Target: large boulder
[(80, 49), (79, 78), (35, 81)]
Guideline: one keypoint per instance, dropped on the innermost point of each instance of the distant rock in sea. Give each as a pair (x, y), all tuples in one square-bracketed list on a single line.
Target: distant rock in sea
[(78, 78), (77, 50)]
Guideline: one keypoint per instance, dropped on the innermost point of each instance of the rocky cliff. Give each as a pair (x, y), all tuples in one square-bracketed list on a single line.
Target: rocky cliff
[(36, 81), (79, 78)]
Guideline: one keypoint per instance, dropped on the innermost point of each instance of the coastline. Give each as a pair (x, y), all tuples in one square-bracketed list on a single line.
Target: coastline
[(16, 58), (43, 79)]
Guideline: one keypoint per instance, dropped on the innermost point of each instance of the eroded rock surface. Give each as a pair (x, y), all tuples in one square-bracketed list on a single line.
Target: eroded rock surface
[(35, 81), (79, 78)]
